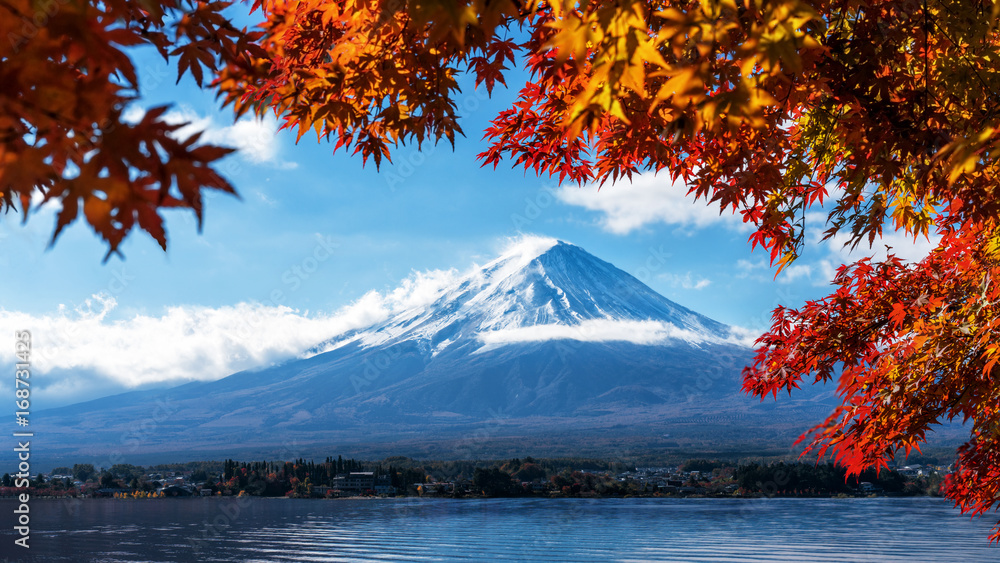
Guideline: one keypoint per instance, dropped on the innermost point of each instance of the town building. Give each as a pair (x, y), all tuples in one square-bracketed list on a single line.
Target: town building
[(361, 482)]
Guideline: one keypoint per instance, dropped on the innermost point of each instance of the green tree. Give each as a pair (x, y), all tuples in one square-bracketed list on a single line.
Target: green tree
[(529, 472), (125, 471), (493, 482), (83, 471), (107, 480)]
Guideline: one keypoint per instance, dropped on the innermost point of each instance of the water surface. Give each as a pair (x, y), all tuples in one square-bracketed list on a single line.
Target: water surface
[(625, 530)]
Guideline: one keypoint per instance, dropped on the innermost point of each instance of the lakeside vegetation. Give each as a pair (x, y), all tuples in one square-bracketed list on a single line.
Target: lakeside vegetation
[(401, 476)]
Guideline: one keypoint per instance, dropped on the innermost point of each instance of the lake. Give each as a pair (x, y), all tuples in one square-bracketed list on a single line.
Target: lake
[(407, 529)]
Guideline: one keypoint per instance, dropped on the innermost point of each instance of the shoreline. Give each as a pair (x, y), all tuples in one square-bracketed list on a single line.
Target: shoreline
[(473, 497)]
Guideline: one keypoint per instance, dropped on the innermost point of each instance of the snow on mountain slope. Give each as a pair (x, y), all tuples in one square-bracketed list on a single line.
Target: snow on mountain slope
[(542, 289)]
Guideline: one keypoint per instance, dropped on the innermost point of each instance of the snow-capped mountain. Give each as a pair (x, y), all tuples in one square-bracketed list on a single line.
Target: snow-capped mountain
[(541, 289), (545, 345)]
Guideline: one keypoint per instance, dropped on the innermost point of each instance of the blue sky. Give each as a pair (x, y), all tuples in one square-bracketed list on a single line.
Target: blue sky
[(313, 234)]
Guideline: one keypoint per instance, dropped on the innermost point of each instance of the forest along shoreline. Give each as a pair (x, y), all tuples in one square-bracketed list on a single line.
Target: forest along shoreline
[(527, 477)]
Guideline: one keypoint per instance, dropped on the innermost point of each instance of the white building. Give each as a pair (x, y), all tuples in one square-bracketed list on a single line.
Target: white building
[(362, 482)]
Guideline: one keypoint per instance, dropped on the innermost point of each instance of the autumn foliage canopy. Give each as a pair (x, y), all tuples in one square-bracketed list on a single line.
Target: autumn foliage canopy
[(65, 81), (882, 114)]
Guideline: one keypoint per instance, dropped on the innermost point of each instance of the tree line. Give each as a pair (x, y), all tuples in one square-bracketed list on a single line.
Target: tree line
[(498, 478)]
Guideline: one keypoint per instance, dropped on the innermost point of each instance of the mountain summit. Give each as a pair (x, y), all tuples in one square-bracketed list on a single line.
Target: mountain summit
[(541, 289), (546, 346)]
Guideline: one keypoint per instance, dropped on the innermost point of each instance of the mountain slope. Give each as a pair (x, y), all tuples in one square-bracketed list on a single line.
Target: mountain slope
[(546, 340), (541, 287)]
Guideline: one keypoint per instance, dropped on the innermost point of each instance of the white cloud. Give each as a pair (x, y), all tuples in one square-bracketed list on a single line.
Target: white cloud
[(597, 330), (687, 281), (526, 247), (265, 199), (602, 330), (647, 199), (899, 243), (902, 245), (186, 343), (819, 259), (827, 269), (760, 270), (650, 199), (794, 272), (743, 336), (746, 268), (133, 114), (182, 344), (256, 139), (420, 289)]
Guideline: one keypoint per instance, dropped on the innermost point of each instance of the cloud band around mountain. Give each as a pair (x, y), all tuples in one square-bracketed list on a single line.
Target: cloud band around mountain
[(603, 330)]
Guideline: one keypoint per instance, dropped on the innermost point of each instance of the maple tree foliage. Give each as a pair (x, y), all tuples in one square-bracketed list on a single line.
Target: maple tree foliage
[(884, 114), (65, 80)]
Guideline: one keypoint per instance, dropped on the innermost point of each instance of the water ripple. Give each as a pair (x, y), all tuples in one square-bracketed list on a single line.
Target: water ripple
[(550, 530)]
